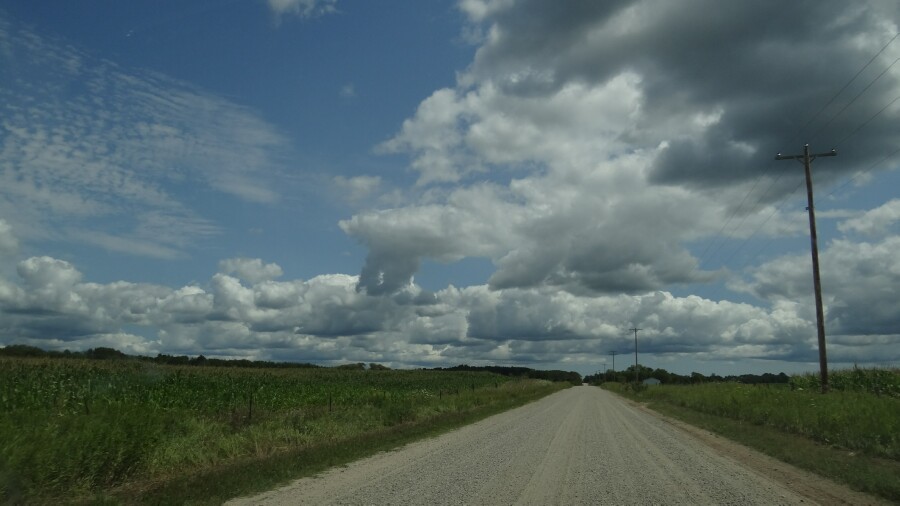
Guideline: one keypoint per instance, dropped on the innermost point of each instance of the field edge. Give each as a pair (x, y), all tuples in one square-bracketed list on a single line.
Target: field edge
[(253, 476), (841, 476)]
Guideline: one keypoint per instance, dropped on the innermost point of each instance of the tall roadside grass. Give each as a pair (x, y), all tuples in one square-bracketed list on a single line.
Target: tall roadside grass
[(71, 428), (859, 417), (852, 420), (874, 381)]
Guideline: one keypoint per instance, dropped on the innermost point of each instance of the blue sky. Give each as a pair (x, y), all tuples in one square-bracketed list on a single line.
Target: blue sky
[(433, 183)]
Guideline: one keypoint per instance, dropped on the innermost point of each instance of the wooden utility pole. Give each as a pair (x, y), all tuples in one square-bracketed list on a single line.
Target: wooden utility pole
[(807, 159), (635, 330), (614, 353)]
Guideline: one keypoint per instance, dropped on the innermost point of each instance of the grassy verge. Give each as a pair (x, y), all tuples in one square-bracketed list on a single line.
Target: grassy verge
[(73, 429), (133, 432), (218, 484), (849, 437)]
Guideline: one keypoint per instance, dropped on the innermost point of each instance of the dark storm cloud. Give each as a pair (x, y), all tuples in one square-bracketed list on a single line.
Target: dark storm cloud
[(386, 272), (766, 66)]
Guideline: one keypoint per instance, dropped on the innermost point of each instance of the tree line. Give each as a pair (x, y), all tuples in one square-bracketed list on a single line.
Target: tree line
[(104, 353), (670, 378), (521, 372)]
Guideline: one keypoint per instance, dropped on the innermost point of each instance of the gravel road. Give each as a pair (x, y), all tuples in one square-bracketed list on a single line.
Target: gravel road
[(579, 446)]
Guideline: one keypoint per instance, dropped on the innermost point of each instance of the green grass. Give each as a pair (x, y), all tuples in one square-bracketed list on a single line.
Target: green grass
[(72, 428), (245, 477), (849, 435), (874, 381)]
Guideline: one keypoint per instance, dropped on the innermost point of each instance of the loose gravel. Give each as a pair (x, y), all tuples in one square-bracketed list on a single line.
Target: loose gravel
[(582, 445)]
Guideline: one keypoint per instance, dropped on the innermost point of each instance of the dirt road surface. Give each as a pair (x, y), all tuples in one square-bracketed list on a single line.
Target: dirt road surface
[(579, 446)]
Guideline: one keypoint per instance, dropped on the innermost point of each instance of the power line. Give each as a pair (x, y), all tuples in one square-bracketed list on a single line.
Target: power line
[(866, 122), (760, 199), (835, 96), (719, 244), (761, 225), (727, 222), (860, 173), (861, 93)]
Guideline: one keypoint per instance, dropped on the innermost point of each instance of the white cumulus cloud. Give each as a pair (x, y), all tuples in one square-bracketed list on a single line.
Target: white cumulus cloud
[(877, 221), (250, 269)]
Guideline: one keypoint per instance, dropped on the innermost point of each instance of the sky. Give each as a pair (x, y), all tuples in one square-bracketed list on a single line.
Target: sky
[(424, 184)]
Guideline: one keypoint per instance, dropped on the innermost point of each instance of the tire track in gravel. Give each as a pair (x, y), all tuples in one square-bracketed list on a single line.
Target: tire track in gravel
[(579, 446)]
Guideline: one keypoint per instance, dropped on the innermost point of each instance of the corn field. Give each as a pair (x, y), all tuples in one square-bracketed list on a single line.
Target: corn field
[(65, 387), (873, 381), (862, 412), (79, 426)]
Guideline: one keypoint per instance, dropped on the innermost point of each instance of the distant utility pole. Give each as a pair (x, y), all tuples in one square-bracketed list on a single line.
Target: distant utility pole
[(614, 353), (635, 330), (807, 159)]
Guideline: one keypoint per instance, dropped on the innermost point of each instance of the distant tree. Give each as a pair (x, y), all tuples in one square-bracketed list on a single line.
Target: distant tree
[(644, 372), (200, 360), (662, 375), (104, 353), (520, 372), (171, 359), (356, 367), (22, 350), (671, 378)]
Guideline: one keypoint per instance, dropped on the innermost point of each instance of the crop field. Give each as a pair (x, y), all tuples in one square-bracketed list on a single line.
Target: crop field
[(874, 381), (859, 417), (79, 426)]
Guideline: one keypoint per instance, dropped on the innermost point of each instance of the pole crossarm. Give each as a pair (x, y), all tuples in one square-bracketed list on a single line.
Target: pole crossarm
[(806, 159), (800, 158)]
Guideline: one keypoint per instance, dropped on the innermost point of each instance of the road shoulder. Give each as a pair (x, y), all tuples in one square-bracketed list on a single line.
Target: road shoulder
[(812, 486)]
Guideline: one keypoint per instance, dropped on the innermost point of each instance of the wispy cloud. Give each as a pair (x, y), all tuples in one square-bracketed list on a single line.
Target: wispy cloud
[(348, 91), (302, 8), (358, 188), (85, 140), (8, 242)]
